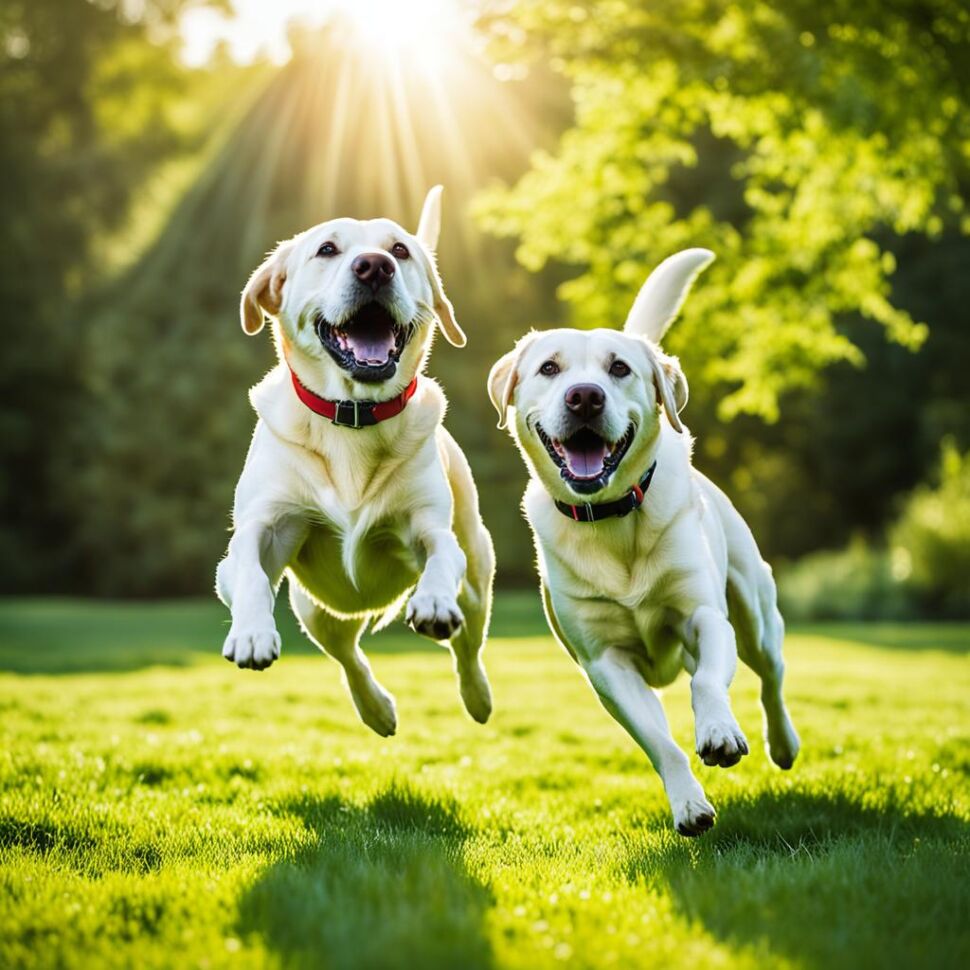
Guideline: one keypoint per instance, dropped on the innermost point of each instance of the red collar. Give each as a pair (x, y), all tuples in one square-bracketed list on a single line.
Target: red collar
[(354, 414)]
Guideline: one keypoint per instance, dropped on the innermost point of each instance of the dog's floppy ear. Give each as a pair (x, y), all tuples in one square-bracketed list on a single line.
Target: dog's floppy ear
[(661, 297), (429, 225), (264, 291), (671, 385), (443, 309), (503, 378)]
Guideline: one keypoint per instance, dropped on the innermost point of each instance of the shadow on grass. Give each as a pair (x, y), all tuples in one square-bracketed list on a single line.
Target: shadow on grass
[(824, 881), (381, 885)]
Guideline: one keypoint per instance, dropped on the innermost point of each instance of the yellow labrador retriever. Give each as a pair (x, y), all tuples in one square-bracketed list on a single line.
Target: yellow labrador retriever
[(352, 486), (645, 565)]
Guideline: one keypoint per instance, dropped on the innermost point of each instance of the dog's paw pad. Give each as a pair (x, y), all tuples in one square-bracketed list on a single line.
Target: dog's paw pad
[(254, 650), (437, 617), (721, 743), (694, 817)]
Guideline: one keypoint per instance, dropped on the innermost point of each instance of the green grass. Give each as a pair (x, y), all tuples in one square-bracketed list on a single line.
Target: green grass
[(160, 808)]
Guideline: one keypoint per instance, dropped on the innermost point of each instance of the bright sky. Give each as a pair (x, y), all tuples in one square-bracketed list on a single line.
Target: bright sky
[(259, 26)]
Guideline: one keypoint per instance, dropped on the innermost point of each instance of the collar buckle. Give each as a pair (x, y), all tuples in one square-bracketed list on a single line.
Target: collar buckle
[(352, 420)]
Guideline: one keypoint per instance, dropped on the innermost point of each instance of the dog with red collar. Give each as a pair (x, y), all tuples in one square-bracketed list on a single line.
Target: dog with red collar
[(352, 487), (646, 567)]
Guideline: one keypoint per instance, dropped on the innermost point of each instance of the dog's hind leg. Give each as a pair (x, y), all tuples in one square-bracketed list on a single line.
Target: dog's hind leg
[(475, 600), (752, 602), (475, 594), (340, 638)]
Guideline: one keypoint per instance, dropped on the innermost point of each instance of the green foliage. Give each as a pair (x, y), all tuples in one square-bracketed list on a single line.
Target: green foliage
[(790, 139), (87, 111), (148, 817), (856, 583), (931, 540), (922, 570)]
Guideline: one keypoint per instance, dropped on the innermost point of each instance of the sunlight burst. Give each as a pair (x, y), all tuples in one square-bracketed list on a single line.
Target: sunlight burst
[(421, 31)]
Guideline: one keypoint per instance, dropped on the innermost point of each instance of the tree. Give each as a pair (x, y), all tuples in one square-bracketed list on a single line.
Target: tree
[(794, 140), (86, 112)]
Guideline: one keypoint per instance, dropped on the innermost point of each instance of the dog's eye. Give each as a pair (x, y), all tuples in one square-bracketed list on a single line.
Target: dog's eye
[(620, 368), (328, 249), (400, 251), (549, 369)]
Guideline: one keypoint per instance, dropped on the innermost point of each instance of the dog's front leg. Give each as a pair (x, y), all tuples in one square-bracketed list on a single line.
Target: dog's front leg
[(433, 609), (626, 695), (246, 581), (709, 639)]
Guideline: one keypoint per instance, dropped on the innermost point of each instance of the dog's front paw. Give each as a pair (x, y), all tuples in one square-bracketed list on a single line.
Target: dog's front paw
[(693, 816), (252, 648), (434, 616), (720, 741)]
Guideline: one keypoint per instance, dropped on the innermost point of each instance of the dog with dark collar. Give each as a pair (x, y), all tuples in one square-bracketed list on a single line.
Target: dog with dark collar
[(352, 486), (646, 567)]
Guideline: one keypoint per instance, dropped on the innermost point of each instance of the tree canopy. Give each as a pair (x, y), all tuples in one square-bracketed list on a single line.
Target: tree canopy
[(797, 141)]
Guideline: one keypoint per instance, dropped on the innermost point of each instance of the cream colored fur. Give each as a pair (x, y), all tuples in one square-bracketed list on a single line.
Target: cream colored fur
[(677, 584), (364, 520)]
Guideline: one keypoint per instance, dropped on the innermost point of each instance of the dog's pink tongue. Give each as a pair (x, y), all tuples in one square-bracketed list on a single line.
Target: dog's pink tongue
[(371, 345), (585, 456)]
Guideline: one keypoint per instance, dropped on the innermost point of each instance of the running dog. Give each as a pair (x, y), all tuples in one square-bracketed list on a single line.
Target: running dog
[(645, 565)]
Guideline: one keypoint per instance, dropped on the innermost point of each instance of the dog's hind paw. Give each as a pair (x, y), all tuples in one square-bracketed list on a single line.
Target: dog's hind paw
[(783, 744), (375, 706), (437, 617), (255, 649), (476, 694)]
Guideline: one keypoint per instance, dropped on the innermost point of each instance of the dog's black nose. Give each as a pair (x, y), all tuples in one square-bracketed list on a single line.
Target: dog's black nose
[(585, 400), (373, 269)]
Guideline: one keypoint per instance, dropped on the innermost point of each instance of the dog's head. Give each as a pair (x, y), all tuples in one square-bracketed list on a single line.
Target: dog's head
[(589, 404), (355, 301)]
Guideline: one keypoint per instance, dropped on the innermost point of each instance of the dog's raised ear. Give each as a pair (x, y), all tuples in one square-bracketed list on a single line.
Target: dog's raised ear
[(671, 385), (429, 228), (662, 295), (429, 225), (264, 291), (503, 377)]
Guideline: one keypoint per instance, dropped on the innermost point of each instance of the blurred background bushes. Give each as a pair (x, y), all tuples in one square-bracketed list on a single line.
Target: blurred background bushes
[(920, 569), (821, 149)]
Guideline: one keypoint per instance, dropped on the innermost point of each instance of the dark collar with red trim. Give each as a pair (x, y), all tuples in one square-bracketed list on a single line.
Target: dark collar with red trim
[(354, 414), (630, 502)]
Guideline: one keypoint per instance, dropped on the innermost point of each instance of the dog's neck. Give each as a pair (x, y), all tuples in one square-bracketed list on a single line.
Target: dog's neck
[(364, 456)]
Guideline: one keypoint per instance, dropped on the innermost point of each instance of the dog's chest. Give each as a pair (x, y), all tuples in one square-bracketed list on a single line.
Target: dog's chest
[(612, 567)]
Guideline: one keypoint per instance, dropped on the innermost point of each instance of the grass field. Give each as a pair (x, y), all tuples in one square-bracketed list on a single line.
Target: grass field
[(160, 808)]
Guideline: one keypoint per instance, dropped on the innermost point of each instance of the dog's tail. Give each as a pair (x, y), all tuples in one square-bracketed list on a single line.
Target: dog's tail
[(661, 297)]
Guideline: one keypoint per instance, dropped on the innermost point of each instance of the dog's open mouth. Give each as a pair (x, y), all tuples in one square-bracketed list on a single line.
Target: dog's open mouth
[(586, 460), (369, 345)]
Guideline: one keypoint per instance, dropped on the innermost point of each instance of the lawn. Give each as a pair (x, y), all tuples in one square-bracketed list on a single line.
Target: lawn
[(160, 808)]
